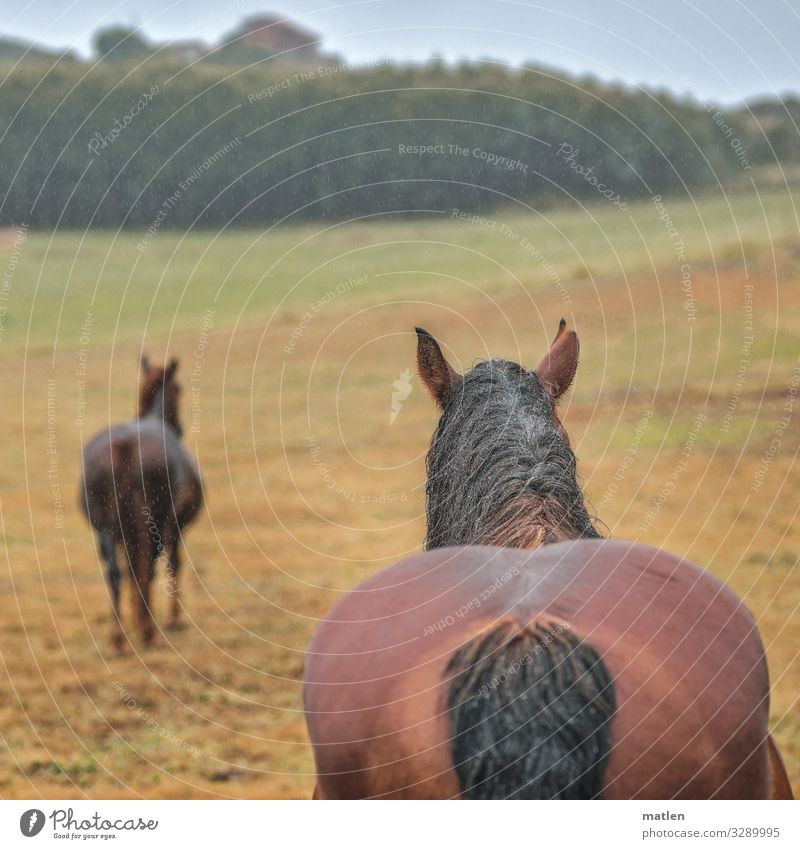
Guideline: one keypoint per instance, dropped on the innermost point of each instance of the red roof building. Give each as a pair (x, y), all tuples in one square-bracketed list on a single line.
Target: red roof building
[(276, 35)]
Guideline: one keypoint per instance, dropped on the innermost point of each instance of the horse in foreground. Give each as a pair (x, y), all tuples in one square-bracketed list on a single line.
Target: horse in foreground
[(523, 656), (140, 488)]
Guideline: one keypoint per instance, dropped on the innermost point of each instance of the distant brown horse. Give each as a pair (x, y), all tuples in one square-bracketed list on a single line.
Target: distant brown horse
[(140, 488), (560, 666)]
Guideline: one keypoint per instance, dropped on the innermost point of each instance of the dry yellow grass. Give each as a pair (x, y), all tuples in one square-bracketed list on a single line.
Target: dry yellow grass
[(310, 489)]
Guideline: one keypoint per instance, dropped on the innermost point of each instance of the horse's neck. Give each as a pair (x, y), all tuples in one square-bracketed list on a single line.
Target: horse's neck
[(531, 521), (525, 521), (157, 410), (495, 495)]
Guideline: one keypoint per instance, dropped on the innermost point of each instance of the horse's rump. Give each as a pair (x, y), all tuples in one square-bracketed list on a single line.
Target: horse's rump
[(132, 470), (683, 652)]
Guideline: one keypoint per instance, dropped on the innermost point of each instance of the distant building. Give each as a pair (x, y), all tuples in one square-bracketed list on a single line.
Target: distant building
[(274, 34)]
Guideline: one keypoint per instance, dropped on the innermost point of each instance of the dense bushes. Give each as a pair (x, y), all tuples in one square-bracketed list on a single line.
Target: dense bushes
[(166, 146)]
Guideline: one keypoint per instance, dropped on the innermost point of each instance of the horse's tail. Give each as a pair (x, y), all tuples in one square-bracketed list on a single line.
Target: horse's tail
[(530, 708), (128, 497), (123, 462)]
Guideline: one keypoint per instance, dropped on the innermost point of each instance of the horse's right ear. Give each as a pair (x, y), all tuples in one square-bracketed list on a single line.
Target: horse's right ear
[(434, 370), (144, 363), (557, 368)]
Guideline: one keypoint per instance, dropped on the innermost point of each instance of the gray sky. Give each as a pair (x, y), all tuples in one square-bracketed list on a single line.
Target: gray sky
[(725, 50)]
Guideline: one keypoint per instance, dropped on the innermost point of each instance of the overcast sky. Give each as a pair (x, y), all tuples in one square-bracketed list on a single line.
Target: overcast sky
[(725, 50)]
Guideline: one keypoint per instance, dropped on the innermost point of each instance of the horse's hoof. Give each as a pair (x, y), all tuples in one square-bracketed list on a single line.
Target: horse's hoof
[(176, 625)]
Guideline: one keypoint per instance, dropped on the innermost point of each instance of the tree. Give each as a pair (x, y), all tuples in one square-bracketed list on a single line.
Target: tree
[(120, 44)]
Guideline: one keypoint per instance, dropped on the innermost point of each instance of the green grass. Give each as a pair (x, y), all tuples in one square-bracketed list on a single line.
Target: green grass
[(244, 275)]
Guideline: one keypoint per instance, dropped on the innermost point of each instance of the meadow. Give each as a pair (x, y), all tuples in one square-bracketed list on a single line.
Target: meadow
[(302, 406)]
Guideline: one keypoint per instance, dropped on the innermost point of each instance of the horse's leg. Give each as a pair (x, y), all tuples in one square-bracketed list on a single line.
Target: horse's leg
[(143, 564), (780, 788), (108, 550), (317, 794), (172, 540)]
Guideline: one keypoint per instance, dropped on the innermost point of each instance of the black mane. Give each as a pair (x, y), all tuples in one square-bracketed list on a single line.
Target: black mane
[(498, 460)]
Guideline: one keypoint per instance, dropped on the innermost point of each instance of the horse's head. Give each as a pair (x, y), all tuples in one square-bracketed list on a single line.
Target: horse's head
[(541, 388), (500, 466), (159, 393)]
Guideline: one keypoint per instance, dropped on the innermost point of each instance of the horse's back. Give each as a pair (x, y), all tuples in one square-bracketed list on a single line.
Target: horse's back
[(685, 655), (143, 457)]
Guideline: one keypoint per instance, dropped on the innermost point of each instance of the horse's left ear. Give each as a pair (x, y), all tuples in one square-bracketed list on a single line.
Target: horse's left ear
[(434, 370), (172, 367), (557, 369)]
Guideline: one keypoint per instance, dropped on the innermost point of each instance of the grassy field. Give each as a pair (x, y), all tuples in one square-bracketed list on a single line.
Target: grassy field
[(683, 417)]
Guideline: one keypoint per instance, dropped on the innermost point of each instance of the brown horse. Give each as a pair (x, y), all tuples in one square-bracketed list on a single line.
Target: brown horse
[(561, 665), (140, 488)]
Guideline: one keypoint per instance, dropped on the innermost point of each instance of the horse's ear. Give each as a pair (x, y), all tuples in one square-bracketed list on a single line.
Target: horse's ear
[(144, 363), (434, 370), (171, 368), (557, 369)]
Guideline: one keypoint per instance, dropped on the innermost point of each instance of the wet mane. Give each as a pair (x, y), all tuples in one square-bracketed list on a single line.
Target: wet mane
[(500, 469), (158, 394), (152, 383)]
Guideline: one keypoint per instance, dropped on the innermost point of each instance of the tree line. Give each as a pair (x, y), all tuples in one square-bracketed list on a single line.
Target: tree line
[(127, 145)]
